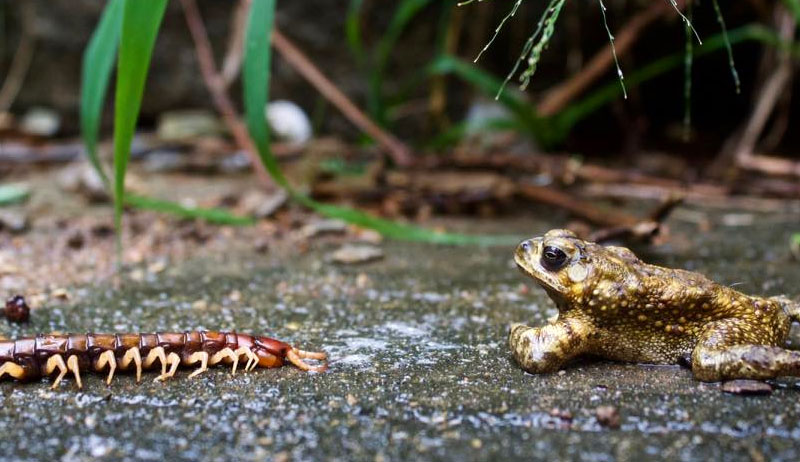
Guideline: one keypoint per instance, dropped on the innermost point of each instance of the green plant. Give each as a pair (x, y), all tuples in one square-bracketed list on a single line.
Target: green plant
[(134, 24), (98, 63), (553, 130), (376, 62), (539, 40)]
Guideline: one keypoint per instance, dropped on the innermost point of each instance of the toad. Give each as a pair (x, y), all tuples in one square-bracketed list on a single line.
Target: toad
[(613, 305)]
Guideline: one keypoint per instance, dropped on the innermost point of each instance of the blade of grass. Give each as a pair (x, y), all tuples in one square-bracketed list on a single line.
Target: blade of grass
[(404, 13), (724, 29), (794, 7), (140, 24), (211, 215), (98, 62), (352, 27), (257, 56)]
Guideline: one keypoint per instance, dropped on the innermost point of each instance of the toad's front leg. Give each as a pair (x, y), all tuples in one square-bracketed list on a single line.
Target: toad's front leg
[(546, 349)]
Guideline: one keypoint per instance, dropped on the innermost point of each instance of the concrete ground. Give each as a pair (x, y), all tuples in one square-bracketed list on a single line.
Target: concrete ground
[(420, 369)]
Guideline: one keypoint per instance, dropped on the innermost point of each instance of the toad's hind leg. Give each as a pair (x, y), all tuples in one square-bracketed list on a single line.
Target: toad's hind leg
[(547, 348), (730, 350)]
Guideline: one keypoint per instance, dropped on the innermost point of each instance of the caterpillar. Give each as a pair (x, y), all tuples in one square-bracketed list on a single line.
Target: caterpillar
[(50, 354)]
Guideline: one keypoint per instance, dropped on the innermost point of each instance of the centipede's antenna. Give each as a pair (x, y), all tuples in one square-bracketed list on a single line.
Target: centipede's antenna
[(296, 357)]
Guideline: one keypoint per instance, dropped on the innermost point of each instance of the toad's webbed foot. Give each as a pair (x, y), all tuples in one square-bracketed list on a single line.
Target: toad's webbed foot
[(547, 348)]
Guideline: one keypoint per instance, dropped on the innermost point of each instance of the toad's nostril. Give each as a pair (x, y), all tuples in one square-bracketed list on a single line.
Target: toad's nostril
[(526, 246)]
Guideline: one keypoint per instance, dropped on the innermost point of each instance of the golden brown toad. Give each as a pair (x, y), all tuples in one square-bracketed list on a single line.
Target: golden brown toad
[(613, 305)]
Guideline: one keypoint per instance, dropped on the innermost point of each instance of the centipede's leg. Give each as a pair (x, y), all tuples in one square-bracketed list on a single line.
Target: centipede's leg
[(12, 369), (201, 356), (252, 359), (53, 363), (296, 357), (107, 358), (157, 353), (132, 355), (318, 355), (72, 366), (174, 361), (225, 353)]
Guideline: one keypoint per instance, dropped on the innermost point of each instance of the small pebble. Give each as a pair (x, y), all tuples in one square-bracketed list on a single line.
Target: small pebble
[(76, 240), (157, 267), (561, 414), (259, 204), (14, 221), (60, 294), (321, 227), (352, 254), (363, 281), (746, 387), (608, 416), (40, 121), (288, 122)]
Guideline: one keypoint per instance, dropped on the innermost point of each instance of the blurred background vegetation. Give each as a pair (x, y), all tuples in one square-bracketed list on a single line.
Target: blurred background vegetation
[(379, 57), (708, 102)]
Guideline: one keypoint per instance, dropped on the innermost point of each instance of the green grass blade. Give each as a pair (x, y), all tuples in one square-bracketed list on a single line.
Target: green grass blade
[(211, 215), (256, 88), (98, 62), (352, 29), (794, 7), (404, 13), (140, 24)]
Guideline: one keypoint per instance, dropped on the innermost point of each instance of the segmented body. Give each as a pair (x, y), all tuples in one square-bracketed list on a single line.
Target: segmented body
[(50, 354)]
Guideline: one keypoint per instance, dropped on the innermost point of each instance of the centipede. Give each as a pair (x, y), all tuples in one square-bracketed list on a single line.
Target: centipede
[(56, 355)]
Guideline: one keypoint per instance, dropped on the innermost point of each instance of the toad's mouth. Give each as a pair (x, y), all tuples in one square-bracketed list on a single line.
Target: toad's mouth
[(533, 269)]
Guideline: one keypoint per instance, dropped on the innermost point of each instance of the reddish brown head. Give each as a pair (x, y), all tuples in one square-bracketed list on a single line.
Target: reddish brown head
[(270, 352)]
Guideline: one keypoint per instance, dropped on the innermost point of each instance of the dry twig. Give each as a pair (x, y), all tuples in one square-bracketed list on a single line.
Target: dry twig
[(396, 149), (559, 96), (22, 58), (217, 87), (745, 141)]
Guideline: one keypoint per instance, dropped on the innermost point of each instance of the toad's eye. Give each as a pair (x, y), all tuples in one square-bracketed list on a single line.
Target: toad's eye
[(553, 258)]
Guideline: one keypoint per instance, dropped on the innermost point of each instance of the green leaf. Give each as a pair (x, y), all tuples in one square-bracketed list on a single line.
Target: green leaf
[(404, 13), (256, 88), (13, 193), (794, 7), (352, 27), (140, 24), (211, 215), (98, 61)]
